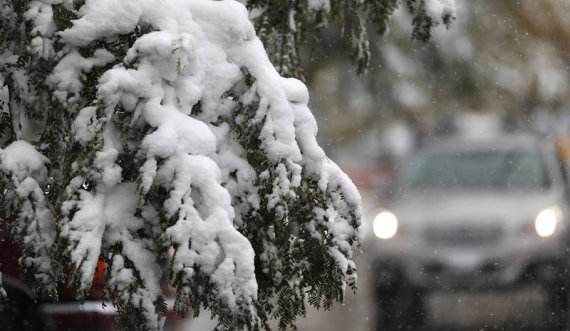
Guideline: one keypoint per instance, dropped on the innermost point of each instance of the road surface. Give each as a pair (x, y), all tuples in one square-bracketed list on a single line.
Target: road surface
[(519, 310)]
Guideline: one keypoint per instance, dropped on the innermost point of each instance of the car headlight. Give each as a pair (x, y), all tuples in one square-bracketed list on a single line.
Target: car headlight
[(385, 225), (547, 221)]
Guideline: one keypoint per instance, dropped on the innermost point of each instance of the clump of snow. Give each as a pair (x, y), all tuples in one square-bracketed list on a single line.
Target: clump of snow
[(41, 14), (21, 159), (84, 127), (176, 133), (69, 72), (101, 19), (86, 229)]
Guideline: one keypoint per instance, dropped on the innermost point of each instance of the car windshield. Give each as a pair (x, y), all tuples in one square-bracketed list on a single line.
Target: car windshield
[(475, 170)]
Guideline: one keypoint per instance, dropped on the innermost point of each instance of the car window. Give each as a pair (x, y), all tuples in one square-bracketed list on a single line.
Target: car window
[(472, 170)]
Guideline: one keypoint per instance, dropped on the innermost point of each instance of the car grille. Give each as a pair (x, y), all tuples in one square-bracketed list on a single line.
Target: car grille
[(463, 235)]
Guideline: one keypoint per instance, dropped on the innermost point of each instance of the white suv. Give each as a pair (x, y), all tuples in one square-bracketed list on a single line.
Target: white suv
[(473, 214)]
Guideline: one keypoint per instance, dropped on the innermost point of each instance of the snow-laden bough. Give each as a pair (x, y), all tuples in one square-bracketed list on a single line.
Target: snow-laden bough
[(167, 135)]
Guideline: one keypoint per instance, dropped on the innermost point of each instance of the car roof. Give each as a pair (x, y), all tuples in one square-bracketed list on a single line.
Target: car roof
[(506, 142)]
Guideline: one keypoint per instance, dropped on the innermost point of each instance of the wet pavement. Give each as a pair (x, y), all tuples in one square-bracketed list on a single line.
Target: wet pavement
[(521, 310)]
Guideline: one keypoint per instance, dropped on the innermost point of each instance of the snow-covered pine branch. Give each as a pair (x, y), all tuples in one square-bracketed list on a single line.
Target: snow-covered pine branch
[(24, 172), (141, 126)]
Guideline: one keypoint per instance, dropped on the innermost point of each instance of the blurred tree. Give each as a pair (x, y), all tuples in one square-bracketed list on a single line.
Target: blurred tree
[(285, 26), (508, 58)]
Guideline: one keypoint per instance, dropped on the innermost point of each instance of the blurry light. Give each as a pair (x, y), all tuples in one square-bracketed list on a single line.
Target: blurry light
[(385, 225), (547, 220)]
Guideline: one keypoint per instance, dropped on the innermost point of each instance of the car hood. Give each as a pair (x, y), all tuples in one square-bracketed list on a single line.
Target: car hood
[(482, 207)]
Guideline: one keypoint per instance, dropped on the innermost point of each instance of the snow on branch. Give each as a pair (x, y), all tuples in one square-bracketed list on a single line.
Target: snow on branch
[(167, 129), (24, 170)]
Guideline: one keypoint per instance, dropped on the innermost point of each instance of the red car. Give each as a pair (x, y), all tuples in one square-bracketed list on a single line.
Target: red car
[(26, 313)]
